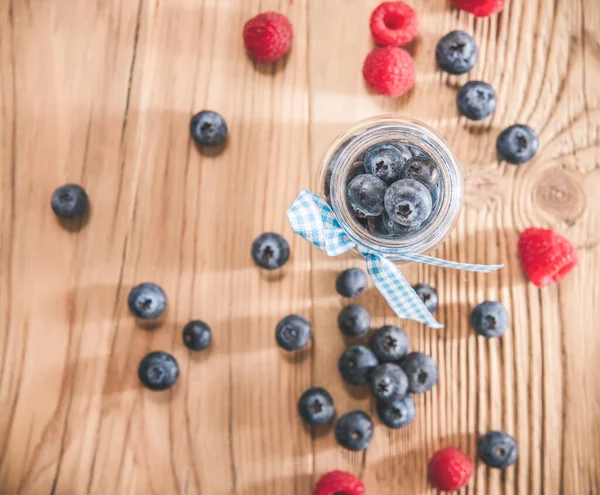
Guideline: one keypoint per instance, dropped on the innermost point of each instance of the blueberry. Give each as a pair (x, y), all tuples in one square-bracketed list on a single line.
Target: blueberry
[(365, 195), (497, 449), (476, 100), (490, 319), (422, 169), (69, 201), (293, 332), (416, 151), (404, 149), (376, 226), (356, 364), (208, 128), (356, 169), (389, 343), (517, 144), (384, 161), (408, 202), (428, 295), (158, 371), (456, 52), (394, 228), (147, 301), (354, 430), (354, 320), (316, 406), (389, 382), (351, 282), (197, 335), (421, 370), (398, 413), (270, 251)]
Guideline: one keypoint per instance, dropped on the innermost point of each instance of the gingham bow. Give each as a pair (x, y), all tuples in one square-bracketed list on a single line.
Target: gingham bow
[(312, 218)]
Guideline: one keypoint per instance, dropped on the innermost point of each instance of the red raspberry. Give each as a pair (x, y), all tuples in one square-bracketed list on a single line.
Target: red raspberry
[(389, 71), (546, 256), (480, 8), (394, 24), (450, 469), (339, 483), (268, 36)]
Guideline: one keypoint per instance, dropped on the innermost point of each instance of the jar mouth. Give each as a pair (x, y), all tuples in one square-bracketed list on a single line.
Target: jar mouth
[(357, 140)]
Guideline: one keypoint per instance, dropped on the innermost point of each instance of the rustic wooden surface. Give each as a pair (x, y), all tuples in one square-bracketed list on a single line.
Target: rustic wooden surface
[(100, 92)]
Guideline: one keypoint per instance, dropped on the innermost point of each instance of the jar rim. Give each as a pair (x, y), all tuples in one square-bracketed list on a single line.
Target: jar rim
[(367, 133)]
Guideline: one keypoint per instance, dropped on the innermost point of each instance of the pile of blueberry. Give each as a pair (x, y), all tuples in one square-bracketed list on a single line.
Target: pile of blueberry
[(394, 189), (457, 53), (385, 364)]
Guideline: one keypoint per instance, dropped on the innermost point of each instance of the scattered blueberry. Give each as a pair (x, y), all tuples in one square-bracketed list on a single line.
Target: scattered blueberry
[(365, 195), (517, 144), (270, 251), (208, 128), (490, 319), (423, 169), (354, 430), (197, 335), (69, 201), (356, 364), (421, 370), (497, 449), (158, 371), (389, 343), (456, 52), (384, 161), (398, 413), (293, 332), (147, 301), (476, 100), (351, 282), (316, 406), (408, 202), (428, 295), (354, 320), (389, 382)]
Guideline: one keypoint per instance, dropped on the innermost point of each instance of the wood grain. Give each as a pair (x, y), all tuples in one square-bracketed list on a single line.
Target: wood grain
[(100, 92)]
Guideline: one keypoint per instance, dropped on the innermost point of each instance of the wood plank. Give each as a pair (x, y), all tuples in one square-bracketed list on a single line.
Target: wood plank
[(100, 92)]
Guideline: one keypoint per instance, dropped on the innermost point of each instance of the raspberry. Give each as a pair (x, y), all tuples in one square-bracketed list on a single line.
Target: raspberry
[(546, 256), (394, 24), (268, 36), (450, 469), (480, 8), (339, 483), (389, 71)]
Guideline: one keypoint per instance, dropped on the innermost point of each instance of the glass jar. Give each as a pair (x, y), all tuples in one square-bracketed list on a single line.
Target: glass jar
[(344, 157)]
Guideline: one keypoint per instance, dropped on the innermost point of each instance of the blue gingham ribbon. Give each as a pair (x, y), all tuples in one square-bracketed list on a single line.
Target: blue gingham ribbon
[(312, 218)]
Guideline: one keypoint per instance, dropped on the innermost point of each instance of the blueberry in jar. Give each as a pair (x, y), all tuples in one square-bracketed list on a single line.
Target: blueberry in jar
[(365, 195), (408, 202)]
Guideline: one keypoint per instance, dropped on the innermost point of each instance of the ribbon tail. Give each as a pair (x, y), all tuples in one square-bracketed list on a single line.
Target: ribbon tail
[(311, 218), (430, 260), (397, 291)]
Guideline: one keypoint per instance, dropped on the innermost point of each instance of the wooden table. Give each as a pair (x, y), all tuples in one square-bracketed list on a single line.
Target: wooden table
[(100, 92)]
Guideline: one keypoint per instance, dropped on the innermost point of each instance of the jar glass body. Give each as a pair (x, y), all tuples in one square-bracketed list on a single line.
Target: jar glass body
[(346, 154)]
